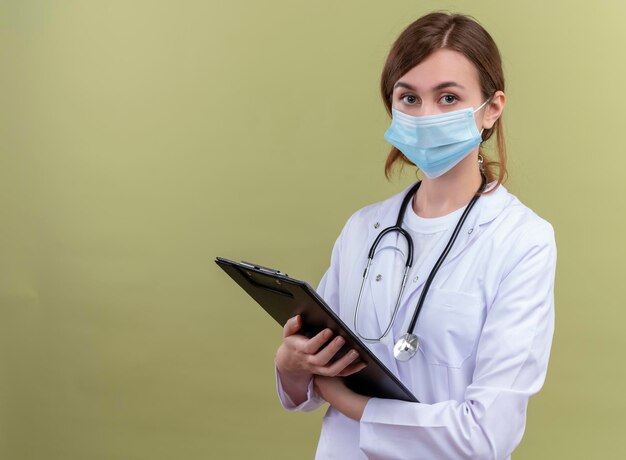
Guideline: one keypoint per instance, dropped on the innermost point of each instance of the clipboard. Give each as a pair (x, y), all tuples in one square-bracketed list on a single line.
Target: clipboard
[(284, 297)]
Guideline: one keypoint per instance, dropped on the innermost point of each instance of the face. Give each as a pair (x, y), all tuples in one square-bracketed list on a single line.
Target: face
[(445, 81)]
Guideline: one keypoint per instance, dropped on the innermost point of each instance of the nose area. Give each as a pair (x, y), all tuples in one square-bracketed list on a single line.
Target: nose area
[(430, 109)]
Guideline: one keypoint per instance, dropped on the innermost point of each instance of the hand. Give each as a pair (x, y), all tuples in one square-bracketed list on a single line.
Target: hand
[(299, 357), (338, 395)]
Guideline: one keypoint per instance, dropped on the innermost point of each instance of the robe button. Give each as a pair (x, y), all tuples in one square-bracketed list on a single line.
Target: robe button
[(469, 232), (379, 277), (377, 224)]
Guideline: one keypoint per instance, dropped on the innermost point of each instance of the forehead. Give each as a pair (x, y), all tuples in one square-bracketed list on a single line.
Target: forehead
[(443, 65)]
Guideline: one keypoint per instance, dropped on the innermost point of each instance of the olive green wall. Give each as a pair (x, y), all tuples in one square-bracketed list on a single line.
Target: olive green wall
[(140, 139)]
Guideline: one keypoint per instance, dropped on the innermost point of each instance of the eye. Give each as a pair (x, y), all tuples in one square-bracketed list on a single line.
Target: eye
[(409, 99), (448, 99)]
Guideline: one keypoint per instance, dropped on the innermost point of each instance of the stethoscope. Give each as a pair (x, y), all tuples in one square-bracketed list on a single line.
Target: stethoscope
[(407, 345)]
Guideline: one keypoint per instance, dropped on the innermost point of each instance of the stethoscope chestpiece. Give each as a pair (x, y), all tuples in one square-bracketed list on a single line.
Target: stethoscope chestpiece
[(406, 347)]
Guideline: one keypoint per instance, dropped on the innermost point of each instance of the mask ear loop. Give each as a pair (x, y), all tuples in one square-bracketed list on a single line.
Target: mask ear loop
[(481, 159), (481, 131), (482, 105)]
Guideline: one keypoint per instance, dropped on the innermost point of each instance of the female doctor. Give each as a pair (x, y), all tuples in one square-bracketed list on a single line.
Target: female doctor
[(470, 332)]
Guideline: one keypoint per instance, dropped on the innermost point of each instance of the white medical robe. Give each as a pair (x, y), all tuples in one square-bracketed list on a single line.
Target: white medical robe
[(485, 333)]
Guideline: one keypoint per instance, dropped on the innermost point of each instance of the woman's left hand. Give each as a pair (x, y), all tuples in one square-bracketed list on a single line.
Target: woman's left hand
[(342, 398)]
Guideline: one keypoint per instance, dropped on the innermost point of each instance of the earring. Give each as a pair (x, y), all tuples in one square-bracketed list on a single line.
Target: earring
[(481, 162)]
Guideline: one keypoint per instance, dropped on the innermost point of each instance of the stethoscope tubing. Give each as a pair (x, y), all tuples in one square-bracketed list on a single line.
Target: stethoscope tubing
[(444, 254), (409, 261)]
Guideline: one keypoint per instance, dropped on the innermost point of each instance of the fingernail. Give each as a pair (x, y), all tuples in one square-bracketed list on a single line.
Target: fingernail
[(339, 340), (354, 354), (328, 333)]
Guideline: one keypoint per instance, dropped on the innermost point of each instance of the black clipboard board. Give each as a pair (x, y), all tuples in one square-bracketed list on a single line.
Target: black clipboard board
[(284, 297)]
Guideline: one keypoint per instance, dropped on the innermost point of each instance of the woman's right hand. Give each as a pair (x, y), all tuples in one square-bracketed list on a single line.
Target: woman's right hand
[(299, 357)]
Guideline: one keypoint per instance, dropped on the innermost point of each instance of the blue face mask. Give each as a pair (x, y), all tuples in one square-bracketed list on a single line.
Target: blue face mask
[(435, 143)]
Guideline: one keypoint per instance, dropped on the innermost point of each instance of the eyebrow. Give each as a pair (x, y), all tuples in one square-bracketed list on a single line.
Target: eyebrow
[(440, 86)]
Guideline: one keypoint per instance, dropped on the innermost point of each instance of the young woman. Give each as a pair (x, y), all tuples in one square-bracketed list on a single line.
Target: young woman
[(471, 333)]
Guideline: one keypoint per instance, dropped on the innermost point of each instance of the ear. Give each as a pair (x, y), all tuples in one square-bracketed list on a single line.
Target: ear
[(494, 109)]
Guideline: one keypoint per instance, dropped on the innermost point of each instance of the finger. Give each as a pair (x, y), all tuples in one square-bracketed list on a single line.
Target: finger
[(323, 357), (314, 343), (341, 364), (292, 326), (352, 369)]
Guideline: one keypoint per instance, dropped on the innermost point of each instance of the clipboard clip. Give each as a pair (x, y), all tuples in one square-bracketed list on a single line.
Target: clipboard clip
[(261, 268)]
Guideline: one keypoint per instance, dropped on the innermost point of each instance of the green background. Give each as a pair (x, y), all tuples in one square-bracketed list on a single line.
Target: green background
[(140, 139)]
